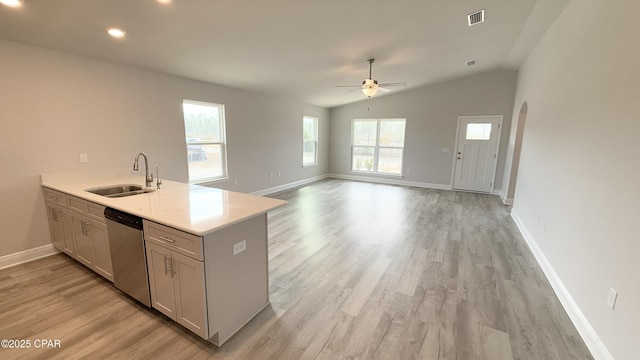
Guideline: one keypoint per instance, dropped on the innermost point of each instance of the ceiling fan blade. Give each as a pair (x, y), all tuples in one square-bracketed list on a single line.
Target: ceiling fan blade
[(358, 88), (355, 86), (380, 88), (395, 84)]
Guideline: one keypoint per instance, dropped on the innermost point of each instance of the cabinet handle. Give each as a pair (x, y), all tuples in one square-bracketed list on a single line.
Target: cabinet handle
[(167, 239), (166, 268), (54, 214), (173, 267), (85, 229)]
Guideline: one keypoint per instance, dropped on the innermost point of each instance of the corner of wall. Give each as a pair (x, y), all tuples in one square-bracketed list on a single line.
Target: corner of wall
[(588, 334)]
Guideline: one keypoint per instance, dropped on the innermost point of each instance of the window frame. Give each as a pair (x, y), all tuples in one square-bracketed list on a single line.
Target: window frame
[(222, 143), (377, 147), (314, 141)]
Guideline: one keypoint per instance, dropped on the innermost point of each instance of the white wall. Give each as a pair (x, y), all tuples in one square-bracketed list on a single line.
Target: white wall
[(580, 165), (432, 117), (54, 106)]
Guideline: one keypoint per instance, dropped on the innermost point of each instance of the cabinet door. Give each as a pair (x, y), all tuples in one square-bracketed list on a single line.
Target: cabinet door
[(67, 232), (55, 226), (101, 251), (61, 230), (160, 279), (188, 282), (82, 237)]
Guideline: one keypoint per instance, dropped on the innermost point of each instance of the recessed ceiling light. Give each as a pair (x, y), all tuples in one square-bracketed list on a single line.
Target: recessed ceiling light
[(164, 1), (12, 3), (116, 33)]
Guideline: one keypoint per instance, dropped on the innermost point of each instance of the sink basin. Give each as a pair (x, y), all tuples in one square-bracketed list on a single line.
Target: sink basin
[(122, 190)]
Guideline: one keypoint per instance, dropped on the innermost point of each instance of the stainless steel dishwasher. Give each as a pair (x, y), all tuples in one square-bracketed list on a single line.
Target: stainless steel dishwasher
[(128, 255)]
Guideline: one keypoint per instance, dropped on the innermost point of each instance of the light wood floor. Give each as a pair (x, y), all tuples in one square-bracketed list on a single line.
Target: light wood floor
[(357, 271)]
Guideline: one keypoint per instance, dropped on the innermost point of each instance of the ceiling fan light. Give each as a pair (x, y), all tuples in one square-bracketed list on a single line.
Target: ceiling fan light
[(369, 91), (369, 87)]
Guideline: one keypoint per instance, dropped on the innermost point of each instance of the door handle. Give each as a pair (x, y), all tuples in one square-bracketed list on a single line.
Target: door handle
[(459, 155)]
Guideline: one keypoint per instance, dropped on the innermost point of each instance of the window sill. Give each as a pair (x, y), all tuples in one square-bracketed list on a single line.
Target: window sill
[(377, 174), (310, 165), (210, 181)]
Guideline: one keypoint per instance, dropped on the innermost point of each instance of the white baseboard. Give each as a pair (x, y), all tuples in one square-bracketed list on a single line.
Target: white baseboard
[(588, 334), (391, 181), (505, 200), (288, 186), (26, 256)]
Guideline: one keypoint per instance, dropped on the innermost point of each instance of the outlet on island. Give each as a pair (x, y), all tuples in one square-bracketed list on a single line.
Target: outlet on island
[(239, 247)]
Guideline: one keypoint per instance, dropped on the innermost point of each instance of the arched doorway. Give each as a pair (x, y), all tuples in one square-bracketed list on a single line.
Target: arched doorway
[(517, 147)]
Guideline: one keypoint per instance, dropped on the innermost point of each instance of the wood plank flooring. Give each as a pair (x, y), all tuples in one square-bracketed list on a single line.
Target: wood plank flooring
[(357, 271)]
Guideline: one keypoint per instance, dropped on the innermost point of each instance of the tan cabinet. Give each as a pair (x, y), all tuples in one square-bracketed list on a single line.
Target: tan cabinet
[(78, 228), (60, 227), (92, 244), (82, 236), (177, 287)]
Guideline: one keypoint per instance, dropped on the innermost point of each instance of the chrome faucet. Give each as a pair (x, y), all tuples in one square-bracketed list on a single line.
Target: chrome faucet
[(148, 178)]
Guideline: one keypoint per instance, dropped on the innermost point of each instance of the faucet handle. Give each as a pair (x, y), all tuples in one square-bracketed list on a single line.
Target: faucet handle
[(158, 181)]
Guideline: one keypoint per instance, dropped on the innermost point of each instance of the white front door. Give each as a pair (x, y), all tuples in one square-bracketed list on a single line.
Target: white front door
[(476, 152)]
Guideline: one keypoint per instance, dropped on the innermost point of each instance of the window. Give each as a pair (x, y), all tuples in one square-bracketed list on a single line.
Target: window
[(377, 145), (478, 131), (309, 140), (205, 139)]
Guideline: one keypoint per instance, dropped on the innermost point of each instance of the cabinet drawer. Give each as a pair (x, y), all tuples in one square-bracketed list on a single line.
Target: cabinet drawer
[(179, 241), (91, 210), (56, 197)]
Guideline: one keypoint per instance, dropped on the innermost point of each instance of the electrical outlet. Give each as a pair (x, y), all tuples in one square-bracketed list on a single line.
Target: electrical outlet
[(84, 158), (546, 222), (278, 173), (445, 150), (539, 217), (611, 299), (271, 175), (239, 247), (235, 182)]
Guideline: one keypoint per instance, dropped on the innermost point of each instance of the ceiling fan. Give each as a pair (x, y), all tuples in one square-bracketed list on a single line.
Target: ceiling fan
[(370, 86)]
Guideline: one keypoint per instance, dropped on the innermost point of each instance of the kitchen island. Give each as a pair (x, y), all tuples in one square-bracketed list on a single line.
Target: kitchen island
[(206, 248)]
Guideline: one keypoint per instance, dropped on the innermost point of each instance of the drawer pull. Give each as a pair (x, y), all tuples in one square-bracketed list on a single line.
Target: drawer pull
[(167, 239)]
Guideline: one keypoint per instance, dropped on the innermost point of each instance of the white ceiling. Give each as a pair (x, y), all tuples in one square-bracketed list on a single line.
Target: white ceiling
[(299, 49)]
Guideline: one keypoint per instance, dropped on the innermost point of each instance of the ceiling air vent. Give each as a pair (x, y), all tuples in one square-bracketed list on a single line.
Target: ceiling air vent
[(471, 62), (476, 17)]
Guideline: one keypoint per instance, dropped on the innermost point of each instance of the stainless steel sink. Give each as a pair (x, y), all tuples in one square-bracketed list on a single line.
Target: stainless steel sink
[(121, 190)]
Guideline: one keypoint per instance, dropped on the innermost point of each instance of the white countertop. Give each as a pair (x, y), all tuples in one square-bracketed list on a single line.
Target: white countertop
[(198, 210)]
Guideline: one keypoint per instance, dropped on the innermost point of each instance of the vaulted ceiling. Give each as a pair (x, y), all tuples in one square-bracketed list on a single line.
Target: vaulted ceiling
[(299, 49)]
